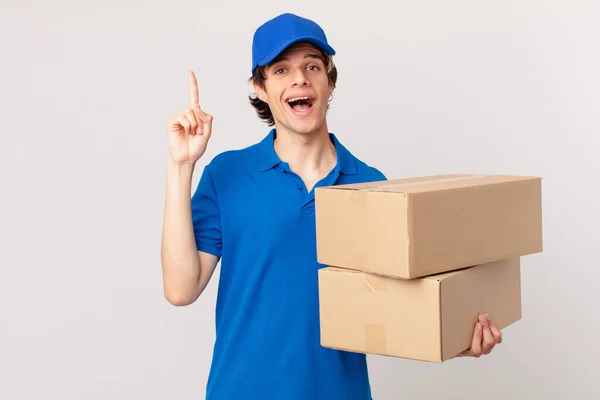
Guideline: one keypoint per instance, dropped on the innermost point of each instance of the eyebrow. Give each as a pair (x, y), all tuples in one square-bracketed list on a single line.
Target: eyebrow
[(313, 55), (309, 55)]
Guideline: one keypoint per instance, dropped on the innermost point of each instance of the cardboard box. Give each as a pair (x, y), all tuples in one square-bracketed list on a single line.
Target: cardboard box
[(429, 319), (409, 228)]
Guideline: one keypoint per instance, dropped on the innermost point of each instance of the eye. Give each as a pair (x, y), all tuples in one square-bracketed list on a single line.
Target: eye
[(313, 67), (279, 71)]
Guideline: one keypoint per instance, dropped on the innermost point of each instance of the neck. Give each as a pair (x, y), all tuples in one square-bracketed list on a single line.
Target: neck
[(307, 152)]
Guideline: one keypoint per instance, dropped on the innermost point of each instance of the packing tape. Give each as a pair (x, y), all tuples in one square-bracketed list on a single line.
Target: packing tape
[(375, 338), (397, 185), (375, 283)]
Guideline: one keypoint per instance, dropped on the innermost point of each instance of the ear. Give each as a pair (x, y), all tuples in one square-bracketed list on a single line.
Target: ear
[(260, 93)]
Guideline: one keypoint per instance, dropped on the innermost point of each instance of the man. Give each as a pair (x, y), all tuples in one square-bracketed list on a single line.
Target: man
[(253, 209)]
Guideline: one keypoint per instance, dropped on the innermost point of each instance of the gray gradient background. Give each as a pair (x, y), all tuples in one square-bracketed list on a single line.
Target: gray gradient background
[(425, 87)]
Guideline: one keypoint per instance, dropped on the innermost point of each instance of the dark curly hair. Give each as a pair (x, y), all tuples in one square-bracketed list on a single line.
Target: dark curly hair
[(259, 77)]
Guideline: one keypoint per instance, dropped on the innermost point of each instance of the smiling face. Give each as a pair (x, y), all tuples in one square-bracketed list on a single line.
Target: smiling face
[(297, 89)]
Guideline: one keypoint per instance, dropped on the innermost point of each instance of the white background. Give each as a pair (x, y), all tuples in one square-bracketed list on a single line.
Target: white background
[(425, 87)]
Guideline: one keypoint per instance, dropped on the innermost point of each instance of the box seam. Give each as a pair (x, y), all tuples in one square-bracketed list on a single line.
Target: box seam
[(440, 315), (408, 245), (524, 179)]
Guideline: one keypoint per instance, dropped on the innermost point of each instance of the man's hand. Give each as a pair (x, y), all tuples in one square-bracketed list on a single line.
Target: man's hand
[(190, 130), (485, 337)]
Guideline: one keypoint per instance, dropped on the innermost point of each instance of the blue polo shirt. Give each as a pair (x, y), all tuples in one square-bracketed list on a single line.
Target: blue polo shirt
[(251, 210)]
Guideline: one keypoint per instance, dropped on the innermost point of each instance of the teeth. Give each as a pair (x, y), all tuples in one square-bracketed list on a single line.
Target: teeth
[(298, 98)]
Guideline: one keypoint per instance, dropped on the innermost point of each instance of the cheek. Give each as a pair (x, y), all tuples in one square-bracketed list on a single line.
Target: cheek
[(273, 91)]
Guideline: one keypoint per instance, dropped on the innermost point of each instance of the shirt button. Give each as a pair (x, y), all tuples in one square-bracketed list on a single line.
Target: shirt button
[(299, 187)]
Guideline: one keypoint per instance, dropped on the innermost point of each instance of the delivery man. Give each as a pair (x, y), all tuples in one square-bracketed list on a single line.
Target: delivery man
[(253, 210)]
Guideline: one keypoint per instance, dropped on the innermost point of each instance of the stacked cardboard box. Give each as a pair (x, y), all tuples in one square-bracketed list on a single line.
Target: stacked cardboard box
[(412, 262)]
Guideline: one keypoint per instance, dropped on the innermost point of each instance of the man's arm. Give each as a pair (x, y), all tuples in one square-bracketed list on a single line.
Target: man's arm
[(186, 271)]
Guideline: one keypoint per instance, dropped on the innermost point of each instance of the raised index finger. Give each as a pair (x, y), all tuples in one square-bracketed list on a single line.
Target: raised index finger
[(193, 90)]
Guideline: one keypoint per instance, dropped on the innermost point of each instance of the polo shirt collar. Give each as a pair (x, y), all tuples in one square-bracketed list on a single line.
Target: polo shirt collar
[(268, 158)]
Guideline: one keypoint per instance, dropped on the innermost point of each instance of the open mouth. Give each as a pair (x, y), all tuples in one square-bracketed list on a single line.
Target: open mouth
[(301, 105)]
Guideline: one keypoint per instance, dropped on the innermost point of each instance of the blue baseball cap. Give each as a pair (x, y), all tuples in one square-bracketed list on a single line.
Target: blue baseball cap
[(277, 34)]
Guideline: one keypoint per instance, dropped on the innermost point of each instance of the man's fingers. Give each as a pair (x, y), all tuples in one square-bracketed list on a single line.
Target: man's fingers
[(488, 340), (496, 333), (185, 123), (476, 342), (194, 101), (206, 118), (195, 126)]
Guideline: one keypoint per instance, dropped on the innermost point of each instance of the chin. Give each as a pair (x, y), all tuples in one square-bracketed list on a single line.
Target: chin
[(306, 127), (307, 122)]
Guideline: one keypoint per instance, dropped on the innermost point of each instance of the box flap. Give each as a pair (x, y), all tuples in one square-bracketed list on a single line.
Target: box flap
[(430, 183)]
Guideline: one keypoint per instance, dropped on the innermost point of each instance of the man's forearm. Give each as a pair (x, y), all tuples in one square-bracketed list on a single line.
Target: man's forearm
[(179, 255)]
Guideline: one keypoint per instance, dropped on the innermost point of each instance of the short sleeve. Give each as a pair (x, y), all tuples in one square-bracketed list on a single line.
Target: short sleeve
[(206, 218), (375, 175), (380, 176)]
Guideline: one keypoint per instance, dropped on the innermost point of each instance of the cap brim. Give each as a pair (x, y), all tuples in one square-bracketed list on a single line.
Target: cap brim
[(310, 39)]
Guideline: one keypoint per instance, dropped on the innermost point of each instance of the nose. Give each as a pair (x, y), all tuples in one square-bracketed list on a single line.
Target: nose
[(299, 78)]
